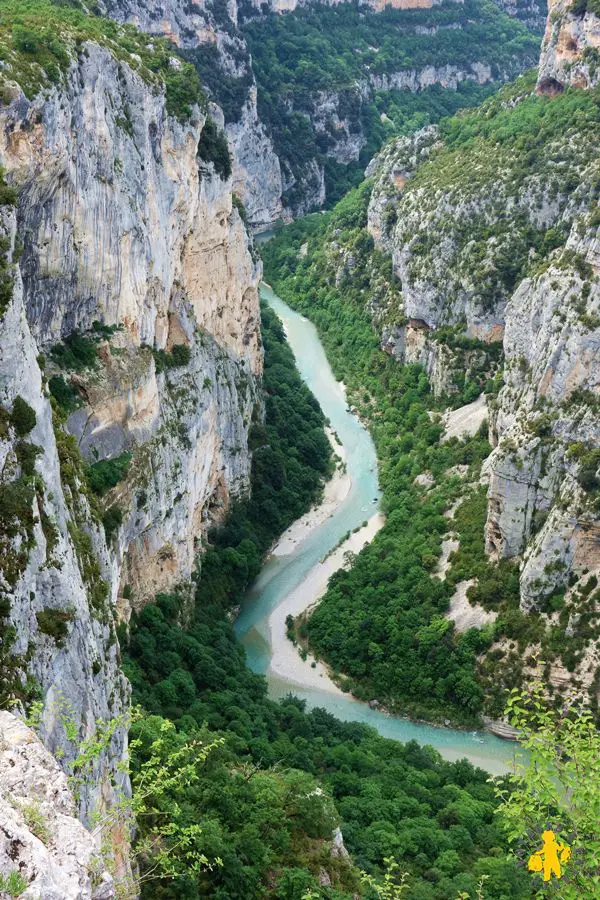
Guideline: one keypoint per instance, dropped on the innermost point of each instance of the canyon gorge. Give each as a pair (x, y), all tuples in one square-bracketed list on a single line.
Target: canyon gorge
[(156, 438)]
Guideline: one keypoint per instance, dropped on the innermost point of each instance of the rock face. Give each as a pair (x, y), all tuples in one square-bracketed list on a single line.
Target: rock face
[(41, 838), (53, 570), (272, 183), (543, 419), (532, 13), (437, 287), (123, 226), (257, 175), (122, 223), (570, 47), (546, 422)]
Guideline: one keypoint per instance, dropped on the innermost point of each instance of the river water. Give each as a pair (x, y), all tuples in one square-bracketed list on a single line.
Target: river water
[(282, 574)]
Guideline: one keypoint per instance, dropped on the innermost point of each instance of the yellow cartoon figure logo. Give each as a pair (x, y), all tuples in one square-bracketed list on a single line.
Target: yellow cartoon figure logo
[(549, 858)]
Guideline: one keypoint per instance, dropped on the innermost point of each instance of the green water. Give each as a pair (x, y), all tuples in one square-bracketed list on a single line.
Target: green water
[(282, 574)]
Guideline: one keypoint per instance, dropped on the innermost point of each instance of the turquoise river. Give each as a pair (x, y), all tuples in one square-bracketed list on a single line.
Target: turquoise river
[(282, 574)]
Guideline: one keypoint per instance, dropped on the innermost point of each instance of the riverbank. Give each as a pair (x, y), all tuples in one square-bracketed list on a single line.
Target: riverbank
[(286, 661), (334, 493)]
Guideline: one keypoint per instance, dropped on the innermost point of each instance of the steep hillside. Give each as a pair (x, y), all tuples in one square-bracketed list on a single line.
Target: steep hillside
[(531, 12), (484, 272), (206, 33)]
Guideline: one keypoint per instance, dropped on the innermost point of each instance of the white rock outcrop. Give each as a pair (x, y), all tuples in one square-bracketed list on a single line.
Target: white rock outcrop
[(41, 838)]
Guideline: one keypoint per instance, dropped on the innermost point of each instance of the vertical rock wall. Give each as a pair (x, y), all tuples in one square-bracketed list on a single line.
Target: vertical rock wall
[(120, 222)]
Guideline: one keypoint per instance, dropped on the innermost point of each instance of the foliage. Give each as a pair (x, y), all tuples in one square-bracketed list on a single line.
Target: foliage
[(229, 91), (77, 351), (64, 393), (17, 524), (55, 623), (394, 884), (507, 204), (112, 519), (170, 769), (213, 148), (180, 355), (13, 884), (22, 417), (106, 473), (271, 793), (39, 39), (557, 788), (36, 821), (388, 798), (8, 197)]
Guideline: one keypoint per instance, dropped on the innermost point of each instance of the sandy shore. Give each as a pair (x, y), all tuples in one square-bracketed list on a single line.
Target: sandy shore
[(285, 659), (335, 492)]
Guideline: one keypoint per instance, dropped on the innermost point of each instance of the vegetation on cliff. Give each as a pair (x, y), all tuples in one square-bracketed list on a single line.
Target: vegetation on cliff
[(40, 38), (383, 625)]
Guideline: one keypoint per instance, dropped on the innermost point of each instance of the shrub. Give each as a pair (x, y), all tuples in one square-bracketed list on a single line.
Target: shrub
[(22, 417), (213, 148), (55, 623), (75, 352), (180, 355), (105, 474), (111, 520), (26, 455), (64, 393)]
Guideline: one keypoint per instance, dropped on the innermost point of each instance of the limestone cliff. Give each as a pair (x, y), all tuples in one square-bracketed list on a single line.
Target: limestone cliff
[(571, 46), (130, 246), (58, 629), (41, 840), (275, 181), (209, 36)]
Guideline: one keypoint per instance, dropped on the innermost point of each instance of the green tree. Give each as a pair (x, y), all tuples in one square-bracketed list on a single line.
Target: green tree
[(555, 787)]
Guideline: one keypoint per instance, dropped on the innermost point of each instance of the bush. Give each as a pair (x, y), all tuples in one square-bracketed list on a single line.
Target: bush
[(27, 455), (75, 352), (180, 355), (55, 623), (105, 474), (64, 393), (213, 148), (112, 520), (22, 417)]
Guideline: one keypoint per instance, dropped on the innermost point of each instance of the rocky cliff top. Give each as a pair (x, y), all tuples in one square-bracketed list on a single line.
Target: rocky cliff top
[(44, 848)]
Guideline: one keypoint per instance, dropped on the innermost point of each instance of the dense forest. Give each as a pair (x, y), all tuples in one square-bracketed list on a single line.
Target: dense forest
[(344, 53), (270, 796)]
